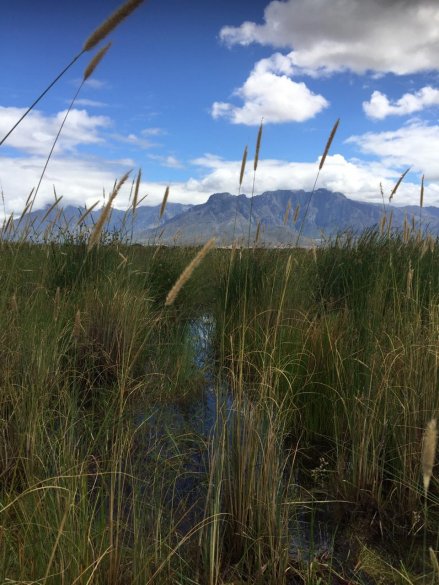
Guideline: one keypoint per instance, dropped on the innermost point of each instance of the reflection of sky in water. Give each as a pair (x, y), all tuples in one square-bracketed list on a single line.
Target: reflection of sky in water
[(187, 430)]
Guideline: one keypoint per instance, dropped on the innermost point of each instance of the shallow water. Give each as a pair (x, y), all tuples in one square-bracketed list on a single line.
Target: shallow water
[(187, 429)]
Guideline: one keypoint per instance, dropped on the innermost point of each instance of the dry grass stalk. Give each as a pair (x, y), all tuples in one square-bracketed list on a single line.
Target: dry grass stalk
[(29, 196), (96, 234), (410, 272), (14, 304), (428, 453), (86, 214), (111, 23), (164, 202), (136, 190), (406, 230), (383, 223), (95, 62), (398, 183), (421, 197), (258, 147), (296, 213), (232, 255), (51, 208), (140, 200), (187, 272), (77, 327), (9, 224), (258, 231), (287, 212), (328, 144), (243, 163), (57, 303), (389, 223), (124, 260), (434, 561)]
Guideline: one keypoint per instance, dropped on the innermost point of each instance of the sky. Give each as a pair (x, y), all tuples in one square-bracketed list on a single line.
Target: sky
[(185, 85)]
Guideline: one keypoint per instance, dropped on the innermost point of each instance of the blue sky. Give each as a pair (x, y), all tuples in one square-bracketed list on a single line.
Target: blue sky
[(184, 86)]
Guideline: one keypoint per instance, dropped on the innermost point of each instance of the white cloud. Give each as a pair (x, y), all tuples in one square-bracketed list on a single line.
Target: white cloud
[(35, 135), (89, 103), (134, 140), (270, 94), (398, 36), (152, 132), (81, 181), (416, 144), (169, 161), (78, 180), (379, 106), (358, 180)]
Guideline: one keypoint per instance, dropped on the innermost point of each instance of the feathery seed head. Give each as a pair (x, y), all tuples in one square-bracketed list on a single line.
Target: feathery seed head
[(136, 190), (187, 272), (95, 62), (165, 200), (258, 147), (328, 144), (428, 453), (243, 163), (111, 23), (398, 183), (96, 234), (77, 325)]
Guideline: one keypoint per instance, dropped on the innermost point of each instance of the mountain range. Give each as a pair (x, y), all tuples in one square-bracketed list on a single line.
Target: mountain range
[(277, 218)]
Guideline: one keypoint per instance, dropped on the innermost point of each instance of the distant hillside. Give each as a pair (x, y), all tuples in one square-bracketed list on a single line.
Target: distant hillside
[(227, 218), (146, 218)]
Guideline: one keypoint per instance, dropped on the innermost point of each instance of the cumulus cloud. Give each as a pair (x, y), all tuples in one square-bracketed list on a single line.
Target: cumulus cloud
[(78, 180), (358, 180), (90, 103), (416, 144), (398, 36), (271, 94), (379, 106), (35, 135), (81, 181), (171, 162)]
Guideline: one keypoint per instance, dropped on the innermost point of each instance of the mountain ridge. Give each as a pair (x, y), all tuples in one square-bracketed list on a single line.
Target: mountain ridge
[(277, 218)]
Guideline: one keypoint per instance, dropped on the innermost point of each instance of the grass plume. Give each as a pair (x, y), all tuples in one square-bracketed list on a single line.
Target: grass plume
[(164, 202), (328, 144), (243, 163), (258, 147), (111, 23), (428, 453), (397, 184), (95, 62), (96, 234), (187, 272)]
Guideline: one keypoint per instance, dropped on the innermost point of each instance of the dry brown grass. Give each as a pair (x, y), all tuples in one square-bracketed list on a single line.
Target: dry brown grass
[(258, 148), (187, 272), (86, 214), (398, 183), (164, 202), (136, 190), (111, 23), (96, 234), (328, 144), (95, 62), (428, 453), (243, 163)]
